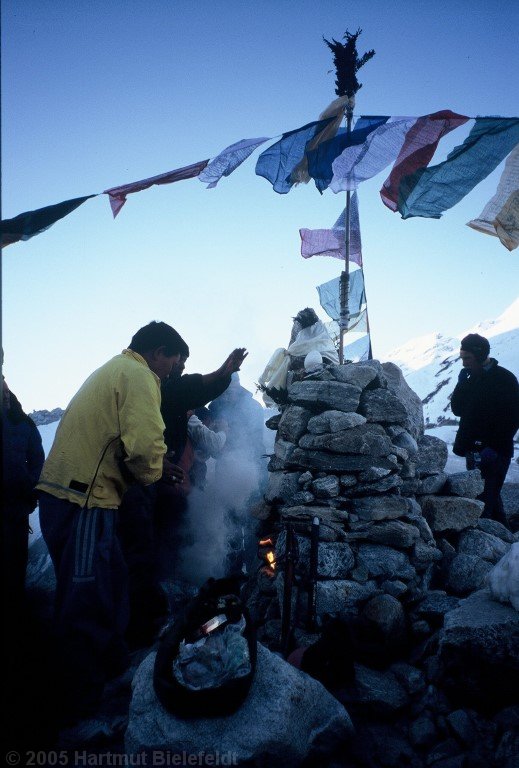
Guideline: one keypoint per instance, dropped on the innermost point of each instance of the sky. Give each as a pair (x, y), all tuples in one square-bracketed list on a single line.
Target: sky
[(97, 94)]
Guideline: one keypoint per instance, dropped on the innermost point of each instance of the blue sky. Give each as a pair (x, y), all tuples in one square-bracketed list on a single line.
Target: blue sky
[(99, 94)]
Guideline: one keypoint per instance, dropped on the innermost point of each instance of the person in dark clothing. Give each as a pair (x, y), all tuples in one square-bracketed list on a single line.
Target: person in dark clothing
[(486, 399), (152, 518), (23, 459)]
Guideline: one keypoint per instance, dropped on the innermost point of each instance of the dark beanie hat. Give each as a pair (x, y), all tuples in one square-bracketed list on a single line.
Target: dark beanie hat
[(476, 344)]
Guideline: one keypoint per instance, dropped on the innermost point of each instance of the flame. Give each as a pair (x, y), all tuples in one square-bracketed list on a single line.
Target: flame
[(271, 559)]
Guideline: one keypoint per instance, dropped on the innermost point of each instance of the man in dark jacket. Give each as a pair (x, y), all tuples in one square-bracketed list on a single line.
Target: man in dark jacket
[(23, 459), (486, 399)]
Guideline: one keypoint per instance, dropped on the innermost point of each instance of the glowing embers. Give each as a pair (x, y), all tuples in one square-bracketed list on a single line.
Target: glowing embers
[(267, 555)]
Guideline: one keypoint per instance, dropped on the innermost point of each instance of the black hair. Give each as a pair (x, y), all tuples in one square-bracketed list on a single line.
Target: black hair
[(157, 334), (478, 345)]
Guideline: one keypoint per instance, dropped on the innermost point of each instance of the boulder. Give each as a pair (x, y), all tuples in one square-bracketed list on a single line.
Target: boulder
[(468, 484), (330, 395), (380, 560), (381, 406), (481, 544), (479, 650), (380, 486), (385, 617), (343, 595), (326, 487), (380, 508), (293, 422), (466, 573), (451, 513), (403, 440), (331, 462), (398, 386), (333, 421), (283, 450), (393, 533), (379, 693), (357, 374), (287, 717), (364, 439), (432, 455), (282, 486), (431, 484), (335, 559)]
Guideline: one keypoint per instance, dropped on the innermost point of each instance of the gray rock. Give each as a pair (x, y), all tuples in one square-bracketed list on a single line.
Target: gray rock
[(330, 462), (479, 650), (380, 405), (422, 732), (379, 692), (451, 513), (468, 484), (424, 554), (393, 533), (335, 559), (302, 497), (399, 387), (408, 470), (330, 395), (385, 616), (461, 726), (354, 373), (326, 487), (325, 513), (347, 481), (466, 573), (373, 474), (283, 449), (286, 718), (435, 605), (293, 422), (394, 587), (305, 478), (333, 421), (432, 455), (344, 595), (380, 486), (410, 677), (431, 484), (380, 508), (365, 439), (496, 529), (281, 486), (406, 441), (384, 561), (481, 544)]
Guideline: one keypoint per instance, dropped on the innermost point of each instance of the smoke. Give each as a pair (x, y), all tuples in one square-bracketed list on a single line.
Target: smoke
[(220, 532)]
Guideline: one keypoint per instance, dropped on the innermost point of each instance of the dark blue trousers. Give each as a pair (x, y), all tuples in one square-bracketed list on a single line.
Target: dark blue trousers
[(91, 603), (493, 472)]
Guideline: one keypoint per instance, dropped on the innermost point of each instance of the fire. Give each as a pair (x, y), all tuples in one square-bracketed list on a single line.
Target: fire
[(271, 559), (266, 553)]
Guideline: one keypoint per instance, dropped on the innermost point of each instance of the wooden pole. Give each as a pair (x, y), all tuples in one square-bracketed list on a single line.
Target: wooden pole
[(345, 275)]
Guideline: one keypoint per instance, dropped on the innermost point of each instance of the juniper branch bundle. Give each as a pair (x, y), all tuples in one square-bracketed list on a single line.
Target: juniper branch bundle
[(347, 63)]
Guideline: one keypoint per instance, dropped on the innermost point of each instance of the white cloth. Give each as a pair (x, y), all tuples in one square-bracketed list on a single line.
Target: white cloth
[(503, 579), (315, 337), (500, 216), (203, 438), (228, 160)]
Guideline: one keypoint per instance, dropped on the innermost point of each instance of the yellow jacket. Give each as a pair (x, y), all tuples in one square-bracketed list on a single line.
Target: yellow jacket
[(110, 436)]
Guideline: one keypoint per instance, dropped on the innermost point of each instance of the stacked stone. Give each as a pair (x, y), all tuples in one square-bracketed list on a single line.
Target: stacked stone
[(350, 448)]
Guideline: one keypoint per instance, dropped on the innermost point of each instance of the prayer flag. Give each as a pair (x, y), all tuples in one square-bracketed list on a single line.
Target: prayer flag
[(363, 161), (358, 350), (500, 216), (331, 242), (26, 225), (419, 147), (336, 110), (118, 194), (278, 161), (228, 160), (320, 159), (430, 191), (329, 298)]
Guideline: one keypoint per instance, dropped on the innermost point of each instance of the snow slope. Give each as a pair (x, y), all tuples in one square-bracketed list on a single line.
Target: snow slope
[(431, 363)]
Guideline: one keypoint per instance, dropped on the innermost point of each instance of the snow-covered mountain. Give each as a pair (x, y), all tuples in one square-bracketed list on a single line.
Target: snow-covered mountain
[(431, 363)]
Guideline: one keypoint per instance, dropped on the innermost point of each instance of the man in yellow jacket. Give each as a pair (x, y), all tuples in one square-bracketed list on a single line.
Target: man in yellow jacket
[(110, 436)]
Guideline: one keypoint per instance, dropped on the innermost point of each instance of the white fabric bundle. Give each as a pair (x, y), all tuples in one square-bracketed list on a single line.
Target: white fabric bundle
[(503, 579)]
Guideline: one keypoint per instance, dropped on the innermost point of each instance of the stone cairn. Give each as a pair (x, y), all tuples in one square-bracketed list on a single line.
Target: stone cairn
[(403, 559)]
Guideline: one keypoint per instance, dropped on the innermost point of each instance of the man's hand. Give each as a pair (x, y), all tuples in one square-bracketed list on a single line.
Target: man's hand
[(234, 361), (172, 473)]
